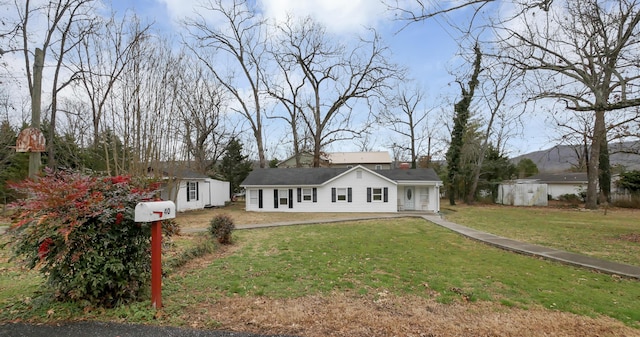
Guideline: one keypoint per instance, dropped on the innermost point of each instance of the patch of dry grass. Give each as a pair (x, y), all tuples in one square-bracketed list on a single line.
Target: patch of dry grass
[(384, 314)]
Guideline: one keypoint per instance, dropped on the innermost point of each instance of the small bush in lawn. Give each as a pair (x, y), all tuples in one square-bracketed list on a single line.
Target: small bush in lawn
[(79, 231), (221, 227)]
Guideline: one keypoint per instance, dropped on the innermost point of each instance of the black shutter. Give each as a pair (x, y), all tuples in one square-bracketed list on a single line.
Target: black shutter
[(386, 194), (315, 194), (349, 194), (259, 198), (368, 194), (197, 190), (275, 198), (333, 194), (188, 192), (299, 194), (290, 198)]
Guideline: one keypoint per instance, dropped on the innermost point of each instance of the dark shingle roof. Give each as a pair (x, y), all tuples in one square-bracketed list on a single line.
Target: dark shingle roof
[(412, 175), (292, 176), (320, 175)]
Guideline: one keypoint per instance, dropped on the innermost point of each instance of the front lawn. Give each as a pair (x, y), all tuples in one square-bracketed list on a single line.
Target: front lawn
[(401, 276), (613, 236)]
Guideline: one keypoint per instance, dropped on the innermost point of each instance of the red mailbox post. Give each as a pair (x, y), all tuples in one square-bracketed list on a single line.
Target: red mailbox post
[(155, 212)]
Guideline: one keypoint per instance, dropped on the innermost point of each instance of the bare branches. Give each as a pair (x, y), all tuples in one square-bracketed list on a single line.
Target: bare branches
[(335, 76), (243, 40), (583, 54), (425, 9)]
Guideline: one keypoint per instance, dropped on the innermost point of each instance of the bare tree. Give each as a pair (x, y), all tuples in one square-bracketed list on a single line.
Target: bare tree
[(497, 82), (582, 53), (243, 40), (337, 76), (142, 110), (68, 23), (101, 59), (288, 88), (407, 117), (201, 103)]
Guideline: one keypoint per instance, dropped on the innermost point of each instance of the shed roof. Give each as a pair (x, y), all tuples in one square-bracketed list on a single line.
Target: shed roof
[(561, 178)]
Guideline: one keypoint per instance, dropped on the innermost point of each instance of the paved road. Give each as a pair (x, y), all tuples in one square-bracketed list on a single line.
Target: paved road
[(99, 329)]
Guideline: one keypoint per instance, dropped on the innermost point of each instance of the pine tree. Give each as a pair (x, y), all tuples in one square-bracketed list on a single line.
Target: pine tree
[(235, 167)]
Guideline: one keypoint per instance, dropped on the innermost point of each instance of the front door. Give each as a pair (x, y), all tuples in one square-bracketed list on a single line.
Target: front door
[(409, 197)]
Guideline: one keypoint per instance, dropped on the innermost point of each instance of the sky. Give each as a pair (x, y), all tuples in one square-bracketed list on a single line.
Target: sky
[(428, 49)]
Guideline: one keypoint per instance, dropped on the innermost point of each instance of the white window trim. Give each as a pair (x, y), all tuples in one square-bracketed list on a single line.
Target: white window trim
[(307, 193), (380, 195), (345, 195), (193, 190), (283, 200), (253, 197)]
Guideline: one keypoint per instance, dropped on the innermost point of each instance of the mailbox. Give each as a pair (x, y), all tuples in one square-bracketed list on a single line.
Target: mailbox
[(155, 211)]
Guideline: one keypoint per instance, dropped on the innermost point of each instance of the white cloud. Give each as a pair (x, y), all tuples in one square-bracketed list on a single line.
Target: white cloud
[(179, 9), (338, 16)]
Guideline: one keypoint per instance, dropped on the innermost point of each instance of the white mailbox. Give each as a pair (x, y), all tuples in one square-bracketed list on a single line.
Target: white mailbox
[(155, 211)]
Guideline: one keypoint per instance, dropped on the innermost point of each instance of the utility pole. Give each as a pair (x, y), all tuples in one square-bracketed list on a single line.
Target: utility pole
[(38, 64)]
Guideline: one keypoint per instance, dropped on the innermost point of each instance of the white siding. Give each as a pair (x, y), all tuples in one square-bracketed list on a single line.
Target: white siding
[(429, 201), (522, 194), (202, 196), (218, 192), (324, 198)]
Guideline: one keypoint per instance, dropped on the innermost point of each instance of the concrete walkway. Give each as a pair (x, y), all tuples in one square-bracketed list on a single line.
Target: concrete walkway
[(580, 260)]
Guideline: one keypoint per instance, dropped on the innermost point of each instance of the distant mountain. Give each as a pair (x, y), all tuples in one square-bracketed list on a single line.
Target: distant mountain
[(562, 158)]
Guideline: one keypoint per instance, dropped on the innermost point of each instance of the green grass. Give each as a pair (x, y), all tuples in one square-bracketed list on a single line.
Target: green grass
[(403, 256), (587, 232)]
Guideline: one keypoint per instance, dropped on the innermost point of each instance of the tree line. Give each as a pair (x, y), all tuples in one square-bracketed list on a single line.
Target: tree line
[(123, 97)]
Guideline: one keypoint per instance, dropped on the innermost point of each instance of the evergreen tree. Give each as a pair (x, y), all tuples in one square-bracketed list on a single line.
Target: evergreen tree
[(526, 168), (14, 166), (630, 181), (235, 167), (496, 168)]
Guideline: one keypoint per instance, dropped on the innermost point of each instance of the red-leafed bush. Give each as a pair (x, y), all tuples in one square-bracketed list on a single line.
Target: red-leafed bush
[(79, 231)]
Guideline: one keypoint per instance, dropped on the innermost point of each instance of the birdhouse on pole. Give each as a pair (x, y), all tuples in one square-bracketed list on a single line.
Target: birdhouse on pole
[(30, 140)]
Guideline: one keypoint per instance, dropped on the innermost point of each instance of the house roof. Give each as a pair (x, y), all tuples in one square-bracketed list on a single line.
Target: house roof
[(410, 174), (561, 178), (321, 175), (379, 157)]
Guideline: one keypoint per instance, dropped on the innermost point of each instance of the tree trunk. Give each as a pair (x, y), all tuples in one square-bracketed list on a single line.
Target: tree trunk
[(460, 121), (36, 92), (604, 173), (599, 133)]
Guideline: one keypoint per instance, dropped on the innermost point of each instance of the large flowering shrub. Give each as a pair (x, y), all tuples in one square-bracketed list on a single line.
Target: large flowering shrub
[(79, 231)]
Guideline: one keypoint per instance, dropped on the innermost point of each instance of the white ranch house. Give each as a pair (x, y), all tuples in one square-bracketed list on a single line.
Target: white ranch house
[(356, 189)]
